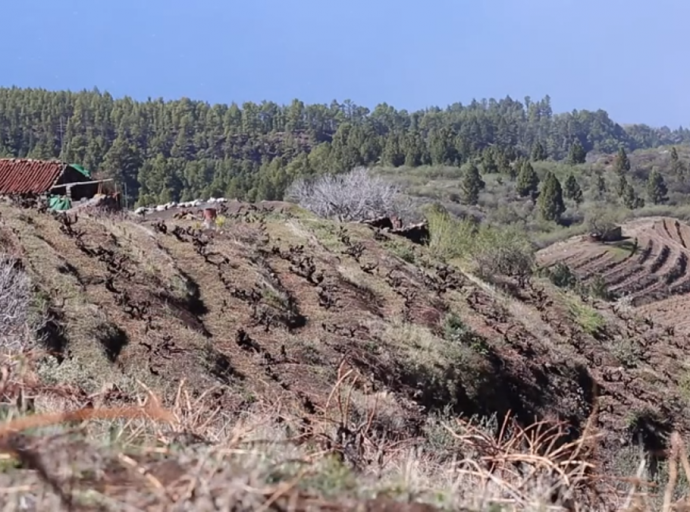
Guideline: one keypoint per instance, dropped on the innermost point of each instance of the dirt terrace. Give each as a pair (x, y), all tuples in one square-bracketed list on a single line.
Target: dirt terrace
[(269, 306), (649, 267)]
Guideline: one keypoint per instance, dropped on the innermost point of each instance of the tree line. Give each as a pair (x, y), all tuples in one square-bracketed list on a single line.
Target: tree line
[(180, 150), (548, 193)]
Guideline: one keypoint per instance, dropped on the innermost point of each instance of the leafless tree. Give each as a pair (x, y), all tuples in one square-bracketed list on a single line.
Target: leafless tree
[(357, 195), (15, 300)]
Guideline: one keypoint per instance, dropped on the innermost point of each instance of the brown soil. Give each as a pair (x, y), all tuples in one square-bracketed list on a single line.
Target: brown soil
[(269, 305), (649, 267)]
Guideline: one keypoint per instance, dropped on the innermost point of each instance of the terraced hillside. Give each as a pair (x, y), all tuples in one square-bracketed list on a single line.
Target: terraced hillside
[(649, 266), (274, 307)]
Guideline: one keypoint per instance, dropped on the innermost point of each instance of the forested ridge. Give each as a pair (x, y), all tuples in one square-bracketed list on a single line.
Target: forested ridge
[(179, 150)]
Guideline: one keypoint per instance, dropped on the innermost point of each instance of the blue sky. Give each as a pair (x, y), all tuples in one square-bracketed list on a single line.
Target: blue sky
[(627, 57)]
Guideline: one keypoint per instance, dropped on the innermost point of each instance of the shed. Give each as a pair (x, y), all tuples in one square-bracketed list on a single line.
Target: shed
[(51, 177), (607, 234)]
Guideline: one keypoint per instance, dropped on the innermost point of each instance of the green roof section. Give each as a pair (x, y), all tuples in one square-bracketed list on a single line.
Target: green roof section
[(79, 168)]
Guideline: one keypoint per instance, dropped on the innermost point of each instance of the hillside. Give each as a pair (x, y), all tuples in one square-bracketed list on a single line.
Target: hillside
[(179, 150), (647, 268), (278, 320)]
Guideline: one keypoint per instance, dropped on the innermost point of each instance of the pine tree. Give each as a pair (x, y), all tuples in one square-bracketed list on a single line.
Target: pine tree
[(511, 153), (538, 152), (122, 162), (600, 186), (503, 164), (489, 161), (413, 151), (657, 192), (622, 185), (550, 203), (527, 181), (622, 163), (442, 146), (631, 199), (677, 166), (472, 184), (392, 154), (577, 153), (572, 190)]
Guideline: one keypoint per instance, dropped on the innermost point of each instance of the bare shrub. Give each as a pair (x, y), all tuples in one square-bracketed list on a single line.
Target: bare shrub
[(356, 195), (15, 300)]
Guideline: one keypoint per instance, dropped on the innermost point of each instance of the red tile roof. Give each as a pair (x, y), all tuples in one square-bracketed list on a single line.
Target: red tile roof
[(20, 176)]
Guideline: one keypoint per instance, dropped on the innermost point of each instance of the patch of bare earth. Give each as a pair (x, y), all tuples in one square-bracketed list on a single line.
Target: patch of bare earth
[(274, 309)]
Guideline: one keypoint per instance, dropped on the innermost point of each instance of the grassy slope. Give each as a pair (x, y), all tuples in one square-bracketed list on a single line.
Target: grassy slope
[(500, 204), (262, 319)]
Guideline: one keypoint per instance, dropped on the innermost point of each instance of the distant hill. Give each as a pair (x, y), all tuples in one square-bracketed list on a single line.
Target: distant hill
[(180, 150)]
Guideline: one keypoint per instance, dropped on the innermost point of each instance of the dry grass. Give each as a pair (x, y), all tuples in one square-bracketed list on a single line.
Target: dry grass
[(189, 456)]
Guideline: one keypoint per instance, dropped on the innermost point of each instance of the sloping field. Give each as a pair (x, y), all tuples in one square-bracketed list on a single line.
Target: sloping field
[(279, 312), (649, 267)]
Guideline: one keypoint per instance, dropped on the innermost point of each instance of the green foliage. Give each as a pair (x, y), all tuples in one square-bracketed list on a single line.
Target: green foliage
[(502, 251), (622, 186), (332, 479), (587, 317), (538, 152), (449, 237), (630, 198), (393, 153), (472, 183), (493, 251), (500, 204), (600, 188), (503, 164), (678, 167), (550, 202), (601, 220), (572, 190), (186, 149), (457, 331), (403, 249), (657, 192), (577, 153), (122, 162), (489, 164), (597, 288), (622, 163), (561, 275), (527, 181)]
